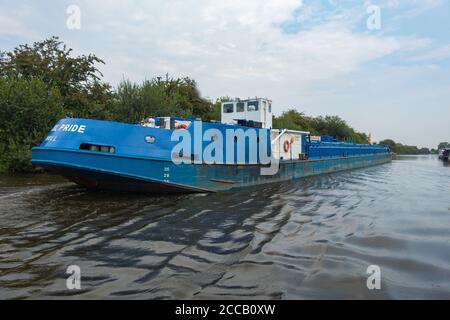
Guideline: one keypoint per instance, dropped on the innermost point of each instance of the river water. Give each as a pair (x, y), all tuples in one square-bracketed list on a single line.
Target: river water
[(307, 239)]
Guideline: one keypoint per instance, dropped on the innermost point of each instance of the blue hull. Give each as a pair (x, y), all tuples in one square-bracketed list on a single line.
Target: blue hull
[(99, 170)]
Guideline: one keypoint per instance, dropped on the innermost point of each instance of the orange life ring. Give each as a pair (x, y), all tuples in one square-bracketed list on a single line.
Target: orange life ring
[(181, 126), (286, 146)]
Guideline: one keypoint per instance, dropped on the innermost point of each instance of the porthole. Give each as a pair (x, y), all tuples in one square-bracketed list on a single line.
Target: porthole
[(150, 139)]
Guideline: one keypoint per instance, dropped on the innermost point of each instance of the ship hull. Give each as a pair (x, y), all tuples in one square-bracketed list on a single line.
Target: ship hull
[(96, 170)]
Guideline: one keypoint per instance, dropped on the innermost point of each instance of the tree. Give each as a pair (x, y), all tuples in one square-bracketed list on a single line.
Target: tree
[(424, 151), (76, 77), (293, 119), (401, 149), (328, 125), (40, 84), (28, 110), (388, 143), (443, 145), (135, 102), (161, 97)]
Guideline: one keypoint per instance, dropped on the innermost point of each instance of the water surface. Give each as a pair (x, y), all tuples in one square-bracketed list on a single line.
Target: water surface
[(306, 239)]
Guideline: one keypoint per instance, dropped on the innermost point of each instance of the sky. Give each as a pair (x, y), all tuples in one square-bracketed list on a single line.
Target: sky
[(383, 66)]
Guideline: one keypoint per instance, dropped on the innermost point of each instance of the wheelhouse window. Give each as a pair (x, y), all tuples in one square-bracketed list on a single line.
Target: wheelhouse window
[(240, 107), (252, 106), (270, 107), (228, 108)]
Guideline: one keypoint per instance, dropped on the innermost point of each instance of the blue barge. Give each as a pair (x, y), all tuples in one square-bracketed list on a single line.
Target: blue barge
[(169, 154)]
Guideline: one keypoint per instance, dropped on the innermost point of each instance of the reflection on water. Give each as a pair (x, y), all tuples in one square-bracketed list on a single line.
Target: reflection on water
[(311, 238)]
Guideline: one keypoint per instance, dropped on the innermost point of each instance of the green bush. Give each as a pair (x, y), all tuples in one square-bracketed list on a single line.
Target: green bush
[(16, 158), (135, 102), (39, 84), (76, 77), (160, 97), (28, 110)]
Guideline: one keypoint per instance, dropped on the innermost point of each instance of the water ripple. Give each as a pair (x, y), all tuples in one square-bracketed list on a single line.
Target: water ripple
[(311, 238)]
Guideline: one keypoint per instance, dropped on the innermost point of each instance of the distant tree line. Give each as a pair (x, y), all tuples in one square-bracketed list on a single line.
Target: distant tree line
[(328, 125), (443, 145), (44, 82), (402, 149)]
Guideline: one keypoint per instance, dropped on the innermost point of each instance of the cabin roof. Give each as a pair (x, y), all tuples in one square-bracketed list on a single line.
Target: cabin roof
[(246, 100)]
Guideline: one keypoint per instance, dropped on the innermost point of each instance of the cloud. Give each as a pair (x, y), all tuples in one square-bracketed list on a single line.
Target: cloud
[(13, 22), (231, 44), (436, 54), (230, 41), (412, 8)]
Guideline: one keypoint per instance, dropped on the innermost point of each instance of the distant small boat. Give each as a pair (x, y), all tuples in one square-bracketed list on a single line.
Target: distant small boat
[(444, 154), (240, 151)]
